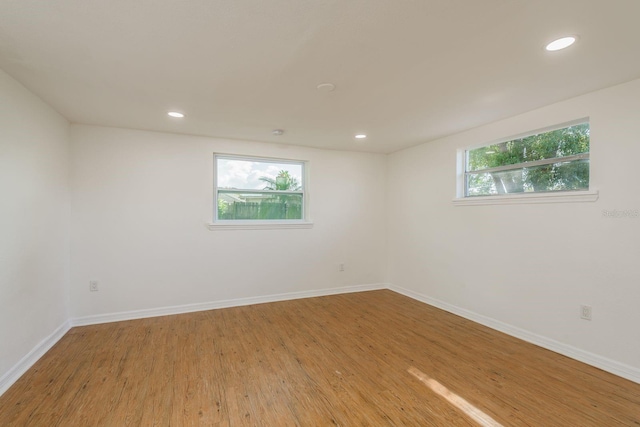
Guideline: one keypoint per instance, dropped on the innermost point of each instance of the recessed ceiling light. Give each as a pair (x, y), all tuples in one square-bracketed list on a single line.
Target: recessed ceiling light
[(361, 136), (326, 87), (560, 44), (277, 132), (175, 114)]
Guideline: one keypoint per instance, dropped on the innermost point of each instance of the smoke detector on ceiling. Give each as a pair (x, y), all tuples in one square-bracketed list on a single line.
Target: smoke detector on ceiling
[(326, 87)]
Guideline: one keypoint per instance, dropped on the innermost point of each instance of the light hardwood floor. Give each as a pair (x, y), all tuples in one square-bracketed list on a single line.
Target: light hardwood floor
[(364, 359)]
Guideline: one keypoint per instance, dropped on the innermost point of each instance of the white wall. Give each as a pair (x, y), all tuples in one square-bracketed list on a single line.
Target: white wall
[(34, 223), (141, 201), (529, 266)]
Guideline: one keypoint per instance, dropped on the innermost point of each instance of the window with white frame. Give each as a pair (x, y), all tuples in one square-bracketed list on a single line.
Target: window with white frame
[(555, 160), (251, 189)]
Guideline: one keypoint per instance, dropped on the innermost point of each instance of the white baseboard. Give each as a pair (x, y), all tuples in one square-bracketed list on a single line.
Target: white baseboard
[(9, 378), (620, 369), (188, 308)]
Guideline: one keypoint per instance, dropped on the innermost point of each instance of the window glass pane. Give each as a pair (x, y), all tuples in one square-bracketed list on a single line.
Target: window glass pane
[(562, 176), (259, 206), (258, 175), (259, 189), (557, 143), (557, 160)]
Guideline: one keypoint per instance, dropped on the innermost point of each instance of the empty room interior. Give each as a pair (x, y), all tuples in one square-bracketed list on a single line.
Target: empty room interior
[(301, 212)]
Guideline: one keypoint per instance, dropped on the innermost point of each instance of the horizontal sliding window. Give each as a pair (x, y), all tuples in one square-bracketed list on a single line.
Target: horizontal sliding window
[(257, 189), (556, 160)]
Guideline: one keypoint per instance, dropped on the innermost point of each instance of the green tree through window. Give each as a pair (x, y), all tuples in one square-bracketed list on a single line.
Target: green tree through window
[(284, 181), (551, 161)]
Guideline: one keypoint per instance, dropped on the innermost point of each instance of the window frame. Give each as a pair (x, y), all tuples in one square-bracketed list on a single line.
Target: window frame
[(554, 196), (248, 224)]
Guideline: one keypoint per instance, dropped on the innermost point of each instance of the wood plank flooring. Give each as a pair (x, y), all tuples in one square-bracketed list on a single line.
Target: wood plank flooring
[(364, 359)]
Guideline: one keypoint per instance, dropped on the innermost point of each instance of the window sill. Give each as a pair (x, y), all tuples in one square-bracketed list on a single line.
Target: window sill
[(533, 198), (253, 225)]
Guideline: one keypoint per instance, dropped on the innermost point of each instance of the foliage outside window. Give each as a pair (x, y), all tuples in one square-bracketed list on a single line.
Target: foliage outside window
[(255, 189), (557, 160)]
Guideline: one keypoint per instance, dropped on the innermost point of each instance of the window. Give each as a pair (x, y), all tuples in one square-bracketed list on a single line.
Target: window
[(258, 190), (557, 160)]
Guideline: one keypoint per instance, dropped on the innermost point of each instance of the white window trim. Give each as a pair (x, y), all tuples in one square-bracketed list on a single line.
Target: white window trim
[(530, 198), (303, 223), (258, 225), (576, 196)]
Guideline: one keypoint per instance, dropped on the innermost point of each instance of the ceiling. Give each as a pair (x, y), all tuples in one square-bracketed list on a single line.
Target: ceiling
[(405, 71)]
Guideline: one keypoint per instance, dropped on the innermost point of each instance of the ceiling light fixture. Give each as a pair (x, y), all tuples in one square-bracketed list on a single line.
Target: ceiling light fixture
[(277, 132), (361, 136), (175, 114), (561, 43)]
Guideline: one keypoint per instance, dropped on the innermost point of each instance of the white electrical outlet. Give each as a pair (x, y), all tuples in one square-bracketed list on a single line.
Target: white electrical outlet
[(93, 285), (585, 312)]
